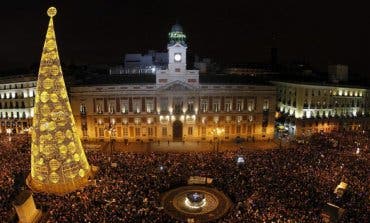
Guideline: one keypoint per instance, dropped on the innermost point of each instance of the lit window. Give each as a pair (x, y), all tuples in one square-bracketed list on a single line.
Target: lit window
[(150, 131), (266, 104), (137, 132), (239, 105), (137, 121), (190, 131), (125, 131), (216, 106), (149, 106), (204, 105), (227, 105), (203, 131), (82, 109), (250, 105), (239, 118), (124, 106), (136, 105), (101, 132), (164, 131), (238, 127)]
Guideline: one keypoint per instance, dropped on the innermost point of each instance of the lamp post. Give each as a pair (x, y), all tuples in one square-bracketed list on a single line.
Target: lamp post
[(111, 130), (9, 131), (217, 133)]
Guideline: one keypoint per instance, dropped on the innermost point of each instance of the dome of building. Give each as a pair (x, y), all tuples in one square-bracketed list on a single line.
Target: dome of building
[(176, 28)]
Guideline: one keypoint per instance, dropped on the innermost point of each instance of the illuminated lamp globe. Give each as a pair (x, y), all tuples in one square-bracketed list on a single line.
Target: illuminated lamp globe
[(52, 11)]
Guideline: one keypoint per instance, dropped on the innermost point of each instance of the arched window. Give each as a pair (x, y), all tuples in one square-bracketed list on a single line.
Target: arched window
[(82, 109)]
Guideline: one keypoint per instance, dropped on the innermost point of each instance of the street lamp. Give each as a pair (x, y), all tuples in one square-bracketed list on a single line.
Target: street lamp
[(217, 132), (111, 130), (9, 131)]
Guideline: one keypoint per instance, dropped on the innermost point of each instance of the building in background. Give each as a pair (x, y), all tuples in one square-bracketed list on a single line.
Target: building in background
[(177, 104), (17, 96), (137, 63), (314, 107), (252, 70), (338, 73)]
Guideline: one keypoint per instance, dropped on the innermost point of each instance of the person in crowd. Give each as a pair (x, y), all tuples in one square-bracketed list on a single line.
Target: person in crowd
[(280, 185)]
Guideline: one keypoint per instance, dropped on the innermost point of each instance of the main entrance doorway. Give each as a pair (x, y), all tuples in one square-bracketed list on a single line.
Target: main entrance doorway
[(177, 130)]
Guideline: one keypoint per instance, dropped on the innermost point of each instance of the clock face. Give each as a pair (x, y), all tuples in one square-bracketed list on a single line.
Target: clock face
[(177, 57)]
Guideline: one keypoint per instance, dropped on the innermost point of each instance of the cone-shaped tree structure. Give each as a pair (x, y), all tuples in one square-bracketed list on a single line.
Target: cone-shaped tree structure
[(58, 161)]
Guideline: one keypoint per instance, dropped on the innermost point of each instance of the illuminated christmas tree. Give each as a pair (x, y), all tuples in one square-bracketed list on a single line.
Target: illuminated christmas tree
[(58, 161)]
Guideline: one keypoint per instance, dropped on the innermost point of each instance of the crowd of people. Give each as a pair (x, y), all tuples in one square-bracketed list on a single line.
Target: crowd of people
[(279, 185)]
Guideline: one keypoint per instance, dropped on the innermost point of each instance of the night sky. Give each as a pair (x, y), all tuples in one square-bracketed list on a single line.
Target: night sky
[(102, 31)]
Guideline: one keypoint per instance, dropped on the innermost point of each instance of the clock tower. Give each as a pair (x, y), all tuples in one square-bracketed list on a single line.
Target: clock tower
[(177, 50), (176, 71)]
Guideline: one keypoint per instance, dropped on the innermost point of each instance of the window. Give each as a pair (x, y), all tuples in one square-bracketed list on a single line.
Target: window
[(239, 105), (190, 131), (164, 104), (150, 131), (216, 105), (238, 128), (137, 131), (149, 106), (204, 105), (137, 121), (124, 106), (82, 108), (99, 108), (228, 105), (190, 107), (164, 131), (101, 132), (239, 118), (227, 130), (177, 69), (111, 108), (228, 118), (250, 104), (266, 104), (125, 131), (216, 119), (203, 131), (136, 106)]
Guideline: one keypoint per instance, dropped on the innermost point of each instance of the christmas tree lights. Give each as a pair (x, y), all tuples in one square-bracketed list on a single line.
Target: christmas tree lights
[(58, 161)]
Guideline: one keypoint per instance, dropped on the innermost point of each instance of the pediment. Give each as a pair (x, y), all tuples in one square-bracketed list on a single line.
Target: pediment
[(177, 86)]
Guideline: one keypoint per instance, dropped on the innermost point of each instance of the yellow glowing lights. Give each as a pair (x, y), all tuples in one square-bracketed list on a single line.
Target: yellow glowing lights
[(58, 161), (44, 97), (52, 11), (48, 83)]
